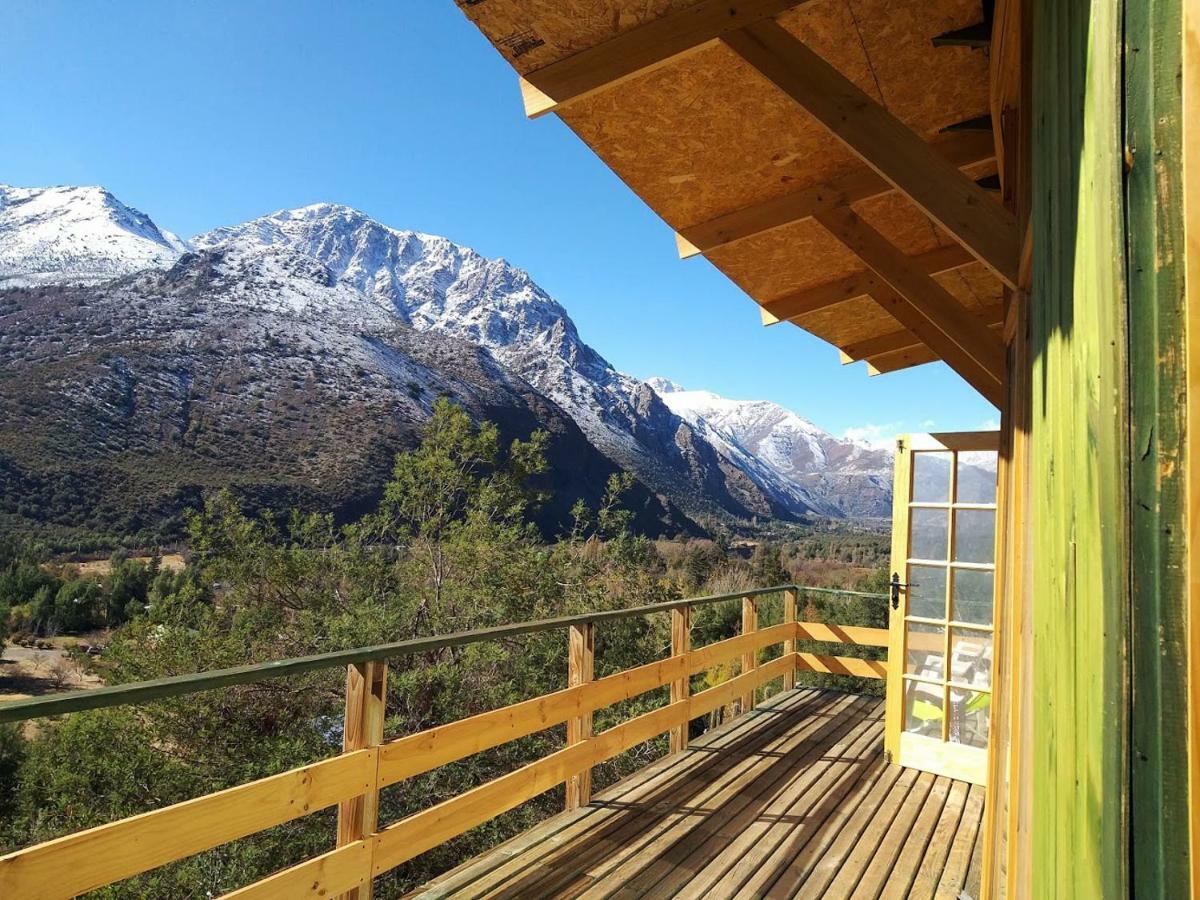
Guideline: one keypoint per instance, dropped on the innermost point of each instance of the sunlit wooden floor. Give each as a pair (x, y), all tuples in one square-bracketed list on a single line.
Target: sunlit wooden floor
[(792, 800)]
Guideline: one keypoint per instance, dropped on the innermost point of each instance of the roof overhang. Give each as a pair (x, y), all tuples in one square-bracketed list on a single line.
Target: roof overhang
[(834, 158)]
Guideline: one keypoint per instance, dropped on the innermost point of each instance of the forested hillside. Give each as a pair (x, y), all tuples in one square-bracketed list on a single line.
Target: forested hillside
[(451, 545)]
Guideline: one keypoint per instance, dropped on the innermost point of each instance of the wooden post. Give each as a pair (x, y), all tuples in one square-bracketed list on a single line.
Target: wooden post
[(789, 647), (358, 817), (681, 645), (580, 669), (749, 660)]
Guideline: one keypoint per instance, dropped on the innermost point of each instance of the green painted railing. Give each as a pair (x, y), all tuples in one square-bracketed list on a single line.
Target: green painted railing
[(179, 685)]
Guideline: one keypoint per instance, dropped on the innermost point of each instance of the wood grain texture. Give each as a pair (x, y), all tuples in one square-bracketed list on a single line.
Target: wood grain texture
[(1079, 466), (89, 859), (681, 645), (790, 615), (960, 150), (358, 817), (925, 307), (640, 49), (581, 654), (749, 658), (885, 143), (1158, 388)]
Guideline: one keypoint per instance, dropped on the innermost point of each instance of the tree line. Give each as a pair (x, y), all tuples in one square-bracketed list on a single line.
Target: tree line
[(450, 547)]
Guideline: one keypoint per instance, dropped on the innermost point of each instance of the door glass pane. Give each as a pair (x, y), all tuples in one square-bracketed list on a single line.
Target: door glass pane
[(923, 708), (927, 592), (971, 657), (976, 477), (974, 535), (931, 477), (930, 534), (926, 650), (969, 712), (973, 596)]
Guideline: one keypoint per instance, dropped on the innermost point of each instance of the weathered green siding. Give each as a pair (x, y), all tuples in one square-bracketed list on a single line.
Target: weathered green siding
[(1158, 418), (1079, 455)]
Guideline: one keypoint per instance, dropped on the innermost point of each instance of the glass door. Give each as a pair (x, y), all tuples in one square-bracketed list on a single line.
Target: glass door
[(943, 572)]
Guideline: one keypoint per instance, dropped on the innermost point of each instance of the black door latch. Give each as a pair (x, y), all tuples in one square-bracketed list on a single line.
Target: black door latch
[(897, 586)]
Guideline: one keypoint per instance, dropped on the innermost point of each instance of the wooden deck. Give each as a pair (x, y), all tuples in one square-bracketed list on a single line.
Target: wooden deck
[(793, 799)]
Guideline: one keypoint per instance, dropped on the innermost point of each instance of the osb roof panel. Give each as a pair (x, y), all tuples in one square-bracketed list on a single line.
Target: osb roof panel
[(861, 318), (706, 134)]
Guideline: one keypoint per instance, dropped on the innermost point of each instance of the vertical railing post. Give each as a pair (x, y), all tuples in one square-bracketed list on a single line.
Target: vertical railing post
[(358, 817), (580, 670), (681, 645), (789, 646), (750, 659)]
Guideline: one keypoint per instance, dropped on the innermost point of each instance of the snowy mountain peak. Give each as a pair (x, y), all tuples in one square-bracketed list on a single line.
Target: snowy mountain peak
[(664, 385), (76, 234), (326, 267)]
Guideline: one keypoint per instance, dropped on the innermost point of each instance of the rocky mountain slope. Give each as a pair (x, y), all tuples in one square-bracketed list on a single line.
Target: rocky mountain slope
[(358, 325), (121, 405), (854, 478)]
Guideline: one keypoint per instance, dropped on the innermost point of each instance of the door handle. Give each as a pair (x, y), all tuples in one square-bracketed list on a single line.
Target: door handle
[(897, 586)]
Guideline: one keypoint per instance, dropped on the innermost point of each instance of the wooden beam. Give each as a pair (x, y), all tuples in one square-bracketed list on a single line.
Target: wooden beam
[(859, 284), (960, 150), (923, 306), (991, 315), (966, 211), (640, 49)]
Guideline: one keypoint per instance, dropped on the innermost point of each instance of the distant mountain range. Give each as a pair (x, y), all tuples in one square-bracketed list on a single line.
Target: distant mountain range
[(292, 355)]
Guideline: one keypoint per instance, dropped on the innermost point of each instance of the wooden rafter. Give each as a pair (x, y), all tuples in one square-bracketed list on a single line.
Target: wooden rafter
[(990, 315), (960, 150), (859, 284), (640, 49), (923, 306), (887, 145)]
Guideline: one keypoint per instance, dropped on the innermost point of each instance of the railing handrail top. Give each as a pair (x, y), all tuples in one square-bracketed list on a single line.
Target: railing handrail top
[(193, 683)]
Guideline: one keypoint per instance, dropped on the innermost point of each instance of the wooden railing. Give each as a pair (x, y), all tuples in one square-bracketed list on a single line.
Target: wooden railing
[(99, 856)]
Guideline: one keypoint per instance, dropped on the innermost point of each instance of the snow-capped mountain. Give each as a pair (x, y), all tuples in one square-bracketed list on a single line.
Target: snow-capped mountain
[(330, 276), (76, 234), (790, 446), (434, 284)]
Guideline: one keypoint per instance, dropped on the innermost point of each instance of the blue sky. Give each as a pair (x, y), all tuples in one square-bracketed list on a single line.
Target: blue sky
[(210, 113)]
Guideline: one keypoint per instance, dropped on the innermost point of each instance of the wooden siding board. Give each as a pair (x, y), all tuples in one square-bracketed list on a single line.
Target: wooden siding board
[(1079, 458), (1158, 420)]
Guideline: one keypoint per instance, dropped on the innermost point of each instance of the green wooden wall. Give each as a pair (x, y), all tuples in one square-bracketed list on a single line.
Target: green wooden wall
[(1079, 454), (1158, 418), (1110, 793)]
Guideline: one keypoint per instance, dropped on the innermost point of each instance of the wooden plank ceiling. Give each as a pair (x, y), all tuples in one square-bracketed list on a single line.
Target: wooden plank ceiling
[(829, 156)]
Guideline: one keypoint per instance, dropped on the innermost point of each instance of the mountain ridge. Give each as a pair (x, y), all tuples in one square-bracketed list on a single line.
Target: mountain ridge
[(326, 263)]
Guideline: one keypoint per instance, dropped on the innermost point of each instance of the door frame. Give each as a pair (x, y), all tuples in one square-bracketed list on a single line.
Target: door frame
[(934, 755)]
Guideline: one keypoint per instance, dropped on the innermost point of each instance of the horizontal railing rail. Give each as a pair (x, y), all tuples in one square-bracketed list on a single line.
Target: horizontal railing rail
[(180, 685), (352, 780)]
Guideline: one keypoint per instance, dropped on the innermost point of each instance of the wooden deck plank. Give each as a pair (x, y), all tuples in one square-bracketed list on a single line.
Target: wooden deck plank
[(954, 877), (619, 831), (899, 881), (849, 867), (934, 862), (657, 849), (703, 858), (792, 800), (804, 847), (887, 851), (494, 867), (809, 798)]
